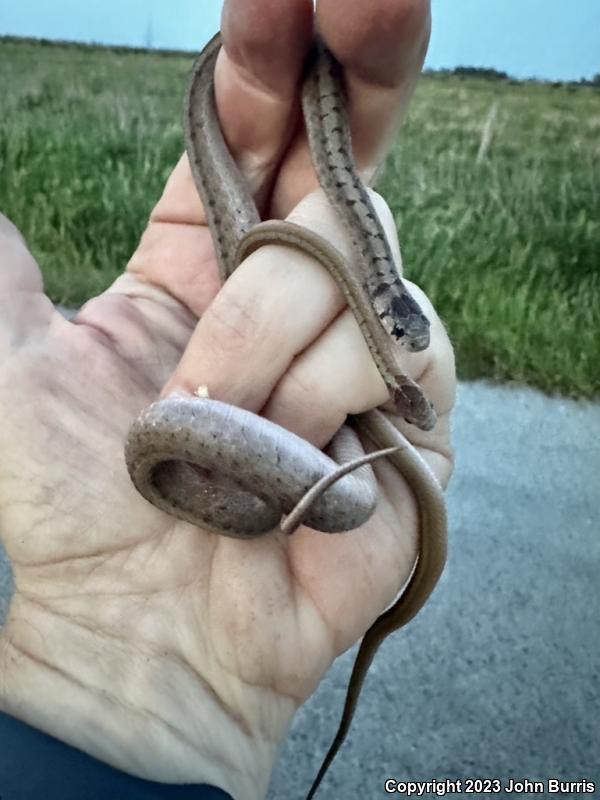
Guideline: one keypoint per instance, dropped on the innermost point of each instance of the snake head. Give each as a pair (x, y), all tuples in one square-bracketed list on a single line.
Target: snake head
[(401, 315)]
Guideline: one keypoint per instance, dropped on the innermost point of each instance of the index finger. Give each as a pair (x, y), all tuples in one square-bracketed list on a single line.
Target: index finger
[(256, 81)]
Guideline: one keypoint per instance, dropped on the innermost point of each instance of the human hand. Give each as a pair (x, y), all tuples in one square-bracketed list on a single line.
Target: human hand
[(168, 651)]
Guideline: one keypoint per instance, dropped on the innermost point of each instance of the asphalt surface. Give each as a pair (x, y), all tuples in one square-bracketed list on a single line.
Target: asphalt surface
[(499, 676)]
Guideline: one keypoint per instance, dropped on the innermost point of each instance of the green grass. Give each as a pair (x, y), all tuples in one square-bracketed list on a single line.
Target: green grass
[(507, 245)]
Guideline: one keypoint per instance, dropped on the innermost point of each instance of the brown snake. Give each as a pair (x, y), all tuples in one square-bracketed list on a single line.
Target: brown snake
[(248, 472)]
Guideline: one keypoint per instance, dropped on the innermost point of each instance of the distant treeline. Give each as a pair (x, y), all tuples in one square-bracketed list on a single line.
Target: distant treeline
[(113, 48), (486, 73), (490, 74)]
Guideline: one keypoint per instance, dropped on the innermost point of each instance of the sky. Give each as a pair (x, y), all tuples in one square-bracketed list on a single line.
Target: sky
[(547, 39)]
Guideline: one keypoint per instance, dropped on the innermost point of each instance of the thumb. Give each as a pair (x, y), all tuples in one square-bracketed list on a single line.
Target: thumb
[(23, 304)]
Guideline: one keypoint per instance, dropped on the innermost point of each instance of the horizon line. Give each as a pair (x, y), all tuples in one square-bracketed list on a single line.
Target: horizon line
[(492, 72)]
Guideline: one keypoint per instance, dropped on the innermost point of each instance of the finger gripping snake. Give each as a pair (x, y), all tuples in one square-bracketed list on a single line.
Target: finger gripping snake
[(238, 474)]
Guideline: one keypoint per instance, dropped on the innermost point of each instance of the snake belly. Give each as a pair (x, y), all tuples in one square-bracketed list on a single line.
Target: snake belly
[(197, 458)]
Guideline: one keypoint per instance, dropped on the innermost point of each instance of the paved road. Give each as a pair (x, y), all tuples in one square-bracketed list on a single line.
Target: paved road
[(499, 676)]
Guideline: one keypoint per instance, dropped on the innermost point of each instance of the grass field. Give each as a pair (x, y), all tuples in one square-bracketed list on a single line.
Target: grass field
[(495, 186)]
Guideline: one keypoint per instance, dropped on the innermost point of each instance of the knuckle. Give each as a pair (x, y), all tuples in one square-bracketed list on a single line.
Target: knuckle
[(231, 324)]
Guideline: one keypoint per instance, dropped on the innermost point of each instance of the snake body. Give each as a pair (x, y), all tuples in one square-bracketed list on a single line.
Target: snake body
[(238, 474)]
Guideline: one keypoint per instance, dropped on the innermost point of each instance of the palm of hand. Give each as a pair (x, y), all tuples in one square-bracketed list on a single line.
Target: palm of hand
[(84, 542)]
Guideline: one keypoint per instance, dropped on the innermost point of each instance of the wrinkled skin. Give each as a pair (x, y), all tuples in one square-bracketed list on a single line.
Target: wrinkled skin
[(161, 648)]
